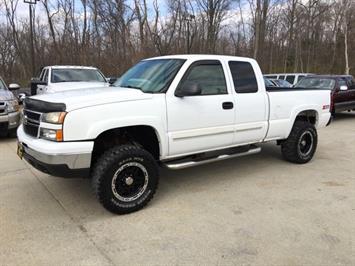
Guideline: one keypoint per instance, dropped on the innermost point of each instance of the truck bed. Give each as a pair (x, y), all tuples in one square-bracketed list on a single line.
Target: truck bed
[(282, 109)]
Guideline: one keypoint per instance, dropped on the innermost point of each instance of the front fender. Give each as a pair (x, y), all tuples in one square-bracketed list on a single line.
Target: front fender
[(88, 123)]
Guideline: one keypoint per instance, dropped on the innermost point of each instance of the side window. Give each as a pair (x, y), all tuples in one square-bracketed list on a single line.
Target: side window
[(352, 84), (290, 78), (243, 77), (342, 82), (42, 74), (281, 77), (45, 76), (208, 75)]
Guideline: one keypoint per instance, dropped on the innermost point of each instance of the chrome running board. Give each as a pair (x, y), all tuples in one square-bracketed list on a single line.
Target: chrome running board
[(176, 165)]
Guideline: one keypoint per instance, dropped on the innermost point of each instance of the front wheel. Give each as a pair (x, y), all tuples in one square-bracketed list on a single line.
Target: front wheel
[(301, 144), (125, 179)]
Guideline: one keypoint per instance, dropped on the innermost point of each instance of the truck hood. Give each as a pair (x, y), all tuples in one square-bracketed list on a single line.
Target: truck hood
[(6, 95), (65, 86), (76, 99)]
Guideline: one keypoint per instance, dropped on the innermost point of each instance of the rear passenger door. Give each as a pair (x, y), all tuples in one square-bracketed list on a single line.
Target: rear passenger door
[(251, 104)]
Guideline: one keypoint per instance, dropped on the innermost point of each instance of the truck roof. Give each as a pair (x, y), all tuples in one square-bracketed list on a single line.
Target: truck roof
[(203, 57), (274, 74), (74, 67)]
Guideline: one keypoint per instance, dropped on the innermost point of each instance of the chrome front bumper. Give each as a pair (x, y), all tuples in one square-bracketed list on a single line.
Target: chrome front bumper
[(65, 159), (13, 119), (73, 161)]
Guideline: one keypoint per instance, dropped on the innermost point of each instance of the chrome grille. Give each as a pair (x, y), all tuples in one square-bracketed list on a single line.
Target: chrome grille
[(31, 121)]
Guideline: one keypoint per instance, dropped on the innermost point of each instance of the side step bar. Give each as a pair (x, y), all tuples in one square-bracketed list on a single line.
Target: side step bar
[(176, 165)]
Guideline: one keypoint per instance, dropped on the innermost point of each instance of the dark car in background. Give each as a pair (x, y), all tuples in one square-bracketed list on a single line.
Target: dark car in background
[(342, 89)]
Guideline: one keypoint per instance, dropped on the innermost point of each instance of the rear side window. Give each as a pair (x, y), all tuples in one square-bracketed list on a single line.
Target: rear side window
[(243, 77), (290, 78), (342, 82)]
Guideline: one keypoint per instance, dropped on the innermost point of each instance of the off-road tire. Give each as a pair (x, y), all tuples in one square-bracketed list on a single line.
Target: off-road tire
[(290, 148), (110, 163)]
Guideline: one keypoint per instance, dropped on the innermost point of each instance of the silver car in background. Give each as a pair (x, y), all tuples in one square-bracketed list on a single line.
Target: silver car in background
[(9, 109)]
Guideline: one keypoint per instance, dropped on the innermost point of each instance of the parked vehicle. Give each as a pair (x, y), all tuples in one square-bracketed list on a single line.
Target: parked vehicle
[(342, 87), (61, 78), (281, 83), (9, 109), (292, 78), (269, 83), (175, 111)]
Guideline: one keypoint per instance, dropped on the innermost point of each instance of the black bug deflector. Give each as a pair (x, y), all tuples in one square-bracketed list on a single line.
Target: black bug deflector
[(43, 107)]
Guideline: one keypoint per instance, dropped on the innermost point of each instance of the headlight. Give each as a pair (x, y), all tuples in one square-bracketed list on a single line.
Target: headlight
[(51, 134), (56, 133), (12, 106), (54, 118)]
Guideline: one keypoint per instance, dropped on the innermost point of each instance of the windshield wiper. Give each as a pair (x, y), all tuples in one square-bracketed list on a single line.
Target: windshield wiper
[(68, 81), (131, 87)]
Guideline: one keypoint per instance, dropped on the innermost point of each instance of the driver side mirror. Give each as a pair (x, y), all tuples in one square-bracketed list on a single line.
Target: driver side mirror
[(343, 88), (188, 89), (14, 87), (111, 80)]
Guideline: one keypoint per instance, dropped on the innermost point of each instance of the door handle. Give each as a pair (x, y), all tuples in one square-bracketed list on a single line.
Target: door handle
[(227, 105)]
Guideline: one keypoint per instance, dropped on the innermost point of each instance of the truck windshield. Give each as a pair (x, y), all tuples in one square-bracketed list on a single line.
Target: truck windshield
[(76, 75), (151, 76), (316, 83)]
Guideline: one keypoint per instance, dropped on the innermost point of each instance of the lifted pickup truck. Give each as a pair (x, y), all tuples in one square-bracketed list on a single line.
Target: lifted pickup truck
[(175, 111)]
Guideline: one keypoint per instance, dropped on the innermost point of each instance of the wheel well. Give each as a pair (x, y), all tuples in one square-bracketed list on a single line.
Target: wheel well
[(143, 136), (308, 115)]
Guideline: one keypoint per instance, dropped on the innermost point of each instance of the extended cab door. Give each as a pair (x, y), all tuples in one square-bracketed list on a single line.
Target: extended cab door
[(205, 121), (251, 102)]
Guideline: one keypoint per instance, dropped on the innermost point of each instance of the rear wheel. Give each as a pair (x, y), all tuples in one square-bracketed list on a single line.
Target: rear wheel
[(301, 144), (125, 179)]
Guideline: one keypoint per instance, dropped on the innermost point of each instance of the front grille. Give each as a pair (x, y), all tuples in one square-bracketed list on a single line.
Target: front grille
[(31, 121), (2, 108)]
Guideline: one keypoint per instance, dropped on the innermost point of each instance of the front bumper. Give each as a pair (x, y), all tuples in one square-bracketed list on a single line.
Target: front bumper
[(11, 119), (63, 159)]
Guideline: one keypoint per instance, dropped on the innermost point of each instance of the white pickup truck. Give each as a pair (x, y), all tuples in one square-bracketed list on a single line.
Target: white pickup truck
[(61, 78), (173, 111)]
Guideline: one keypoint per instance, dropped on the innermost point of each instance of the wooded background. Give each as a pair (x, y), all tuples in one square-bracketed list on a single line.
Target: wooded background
[(316, 36)]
